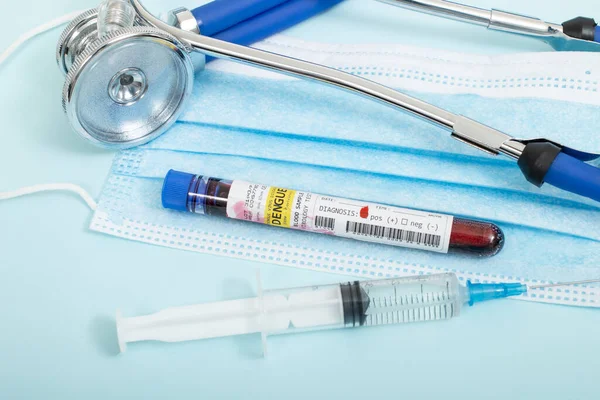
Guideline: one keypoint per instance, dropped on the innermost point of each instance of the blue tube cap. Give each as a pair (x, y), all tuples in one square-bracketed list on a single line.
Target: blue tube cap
[(479, 292), (175, 190)]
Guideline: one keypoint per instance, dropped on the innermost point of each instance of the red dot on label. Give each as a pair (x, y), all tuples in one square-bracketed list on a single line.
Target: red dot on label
[(364, 212)]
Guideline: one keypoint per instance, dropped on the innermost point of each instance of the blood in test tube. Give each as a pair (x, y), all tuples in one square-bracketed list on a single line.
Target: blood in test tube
[(474, 237), (311, 212)]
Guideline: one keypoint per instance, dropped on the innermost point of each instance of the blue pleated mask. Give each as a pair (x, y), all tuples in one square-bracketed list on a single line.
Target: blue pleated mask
[(260, 128)]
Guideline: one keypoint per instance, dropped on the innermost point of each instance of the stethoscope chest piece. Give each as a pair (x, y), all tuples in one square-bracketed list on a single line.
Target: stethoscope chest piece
[(126, 87)]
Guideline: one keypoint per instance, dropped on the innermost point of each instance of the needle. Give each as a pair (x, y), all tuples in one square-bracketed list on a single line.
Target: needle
[(550, 285)]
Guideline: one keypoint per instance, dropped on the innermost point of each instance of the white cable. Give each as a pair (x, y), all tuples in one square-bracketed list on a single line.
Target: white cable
[(67, 187), (36, 31)]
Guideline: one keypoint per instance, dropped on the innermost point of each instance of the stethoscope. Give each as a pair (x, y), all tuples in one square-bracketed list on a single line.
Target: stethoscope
[(129, 74)]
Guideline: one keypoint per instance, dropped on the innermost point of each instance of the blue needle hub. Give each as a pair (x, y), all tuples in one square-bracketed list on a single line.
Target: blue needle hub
[(479, 292)]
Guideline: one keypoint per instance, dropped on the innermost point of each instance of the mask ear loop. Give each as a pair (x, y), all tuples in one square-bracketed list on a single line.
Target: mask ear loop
[(55, 23), (68, 187), (52, 187)]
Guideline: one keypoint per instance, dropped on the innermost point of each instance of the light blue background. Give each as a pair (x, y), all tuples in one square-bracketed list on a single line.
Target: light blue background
[(60, 283)]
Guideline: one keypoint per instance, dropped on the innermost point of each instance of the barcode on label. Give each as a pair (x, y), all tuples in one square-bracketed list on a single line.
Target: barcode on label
[(399, 235), (324, 223)]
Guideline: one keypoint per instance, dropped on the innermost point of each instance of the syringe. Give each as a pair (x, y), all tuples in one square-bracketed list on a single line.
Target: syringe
[(346, 305)]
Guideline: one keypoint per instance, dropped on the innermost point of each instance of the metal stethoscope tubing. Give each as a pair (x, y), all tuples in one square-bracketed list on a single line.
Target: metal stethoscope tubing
[(478, 135)]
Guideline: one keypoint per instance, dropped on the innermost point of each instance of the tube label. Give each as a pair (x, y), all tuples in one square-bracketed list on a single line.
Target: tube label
[(279, 207), (339, 217)]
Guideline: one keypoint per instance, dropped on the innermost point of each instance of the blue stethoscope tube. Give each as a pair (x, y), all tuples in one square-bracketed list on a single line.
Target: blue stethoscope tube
[(275, 20), (261, 24), (575, 176), (220, 15)]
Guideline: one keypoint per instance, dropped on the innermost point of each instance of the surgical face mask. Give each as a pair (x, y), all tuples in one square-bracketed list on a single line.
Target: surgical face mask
[(254, 126)]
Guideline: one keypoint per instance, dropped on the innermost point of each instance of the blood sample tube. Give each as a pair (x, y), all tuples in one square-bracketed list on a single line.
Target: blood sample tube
[(330, 215)]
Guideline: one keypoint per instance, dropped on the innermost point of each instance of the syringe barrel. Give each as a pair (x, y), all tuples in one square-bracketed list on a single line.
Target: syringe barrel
[(413, 299), (364, 303)]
